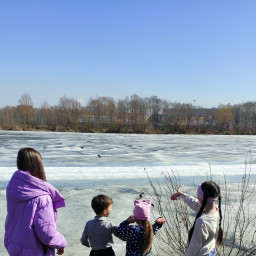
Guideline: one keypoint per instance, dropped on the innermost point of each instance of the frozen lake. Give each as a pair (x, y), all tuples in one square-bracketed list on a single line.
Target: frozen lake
[(83, 165)]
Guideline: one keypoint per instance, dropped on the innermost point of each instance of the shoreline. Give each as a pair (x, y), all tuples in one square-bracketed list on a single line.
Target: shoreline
[(106, 131)]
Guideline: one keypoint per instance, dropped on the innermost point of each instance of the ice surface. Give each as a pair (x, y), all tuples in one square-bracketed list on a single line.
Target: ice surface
[(73, 166), (82, 149)]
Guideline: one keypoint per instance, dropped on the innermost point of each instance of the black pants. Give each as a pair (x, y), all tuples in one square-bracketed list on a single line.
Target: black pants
[(104, 252)]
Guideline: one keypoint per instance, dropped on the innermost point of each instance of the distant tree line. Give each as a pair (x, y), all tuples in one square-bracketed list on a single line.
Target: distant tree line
[(130, 115)]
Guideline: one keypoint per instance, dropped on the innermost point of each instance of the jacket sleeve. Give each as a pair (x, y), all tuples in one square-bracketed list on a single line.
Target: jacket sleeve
[(84, 239), (192, 202), (45, 227), (113, 227), (125, 231), (156, 226)]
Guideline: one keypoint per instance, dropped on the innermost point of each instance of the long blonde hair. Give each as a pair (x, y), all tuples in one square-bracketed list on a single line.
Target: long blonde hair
[(147, 235)]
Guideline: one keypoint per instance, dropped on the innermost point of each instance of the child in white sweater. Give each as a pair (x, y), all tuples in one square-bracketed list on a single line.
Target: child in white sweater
[(202, 238)]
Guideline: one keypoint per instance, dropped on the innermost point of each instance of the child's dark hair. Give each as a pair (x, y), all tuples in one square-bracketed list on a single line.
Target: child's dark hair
[(29, 159), (210, 189), (100, 203)]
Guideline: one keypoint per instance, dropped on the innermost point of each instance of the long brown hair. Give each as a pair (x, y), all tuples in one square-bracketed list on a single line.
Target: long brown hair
[(29, 159), (210, 189), (147, 235)]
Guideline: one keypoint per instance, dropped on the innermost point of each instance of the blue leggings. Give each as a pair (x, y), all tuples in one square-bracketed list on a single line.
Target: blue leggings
[(212, 253)]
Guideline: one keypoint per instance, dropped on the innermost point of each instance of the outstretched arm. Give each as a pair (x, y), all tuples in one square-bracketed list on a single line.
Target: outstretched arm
[(176, 195), (158, 224), (191, 201)]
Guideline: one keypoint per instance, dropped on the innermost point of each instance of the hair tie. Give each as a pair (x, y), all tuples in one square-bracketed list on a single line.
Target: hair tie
[(200, 194)]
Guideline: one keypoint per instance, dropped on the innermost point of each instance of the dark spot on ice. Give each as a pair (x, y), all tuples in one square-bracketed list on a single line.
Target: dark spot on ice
[(129, 190)]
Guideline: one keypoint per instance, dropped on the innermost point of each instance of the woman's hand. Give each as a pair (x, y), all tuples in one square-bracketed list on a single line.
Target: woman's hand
[(176, 195), (131, 219), (60, 251), (160, 220)]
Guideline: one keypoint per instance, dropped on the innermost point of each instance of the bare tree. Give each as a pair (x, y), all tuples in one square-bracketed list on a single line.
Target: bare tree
[(26, 110), (123, 111), (111, 111), (69, 112), (7, 117), (25, 99), (224, 116), (46, 115), (132, 114), (138, 113), (154, 105)]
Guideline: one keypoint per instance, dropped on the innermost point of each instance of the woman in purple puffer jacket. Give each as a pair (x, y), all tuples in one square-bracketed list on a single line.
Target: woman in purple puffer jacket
[(30, 227)]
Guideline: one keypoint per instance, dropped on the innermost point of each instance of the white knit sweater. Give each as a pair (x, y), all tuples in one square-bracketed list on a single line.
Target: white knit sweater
[(203, 238)]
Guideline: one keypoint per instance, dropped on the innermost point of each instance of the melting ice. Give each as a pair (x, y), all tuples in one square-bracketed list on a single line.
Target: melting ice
[(82, 165)]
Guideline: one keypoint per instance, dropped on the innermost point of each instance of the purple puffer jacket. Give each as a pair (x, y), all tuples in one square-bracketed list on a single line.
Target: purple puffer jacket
[(30, 227)]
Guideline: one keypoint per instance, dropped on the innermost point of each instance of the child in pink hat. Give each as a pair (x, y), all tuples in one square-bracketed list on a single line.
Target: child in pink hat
[(139, 237)]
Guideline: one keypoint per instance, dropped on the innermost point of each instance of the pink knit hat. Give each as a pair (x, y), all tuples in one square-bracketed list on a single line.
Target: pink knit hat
[(142, 210)]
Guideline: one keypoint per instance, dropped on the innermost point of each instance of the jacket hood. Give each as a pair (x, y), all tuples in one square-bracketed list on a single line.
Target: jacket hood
[(23, 187)]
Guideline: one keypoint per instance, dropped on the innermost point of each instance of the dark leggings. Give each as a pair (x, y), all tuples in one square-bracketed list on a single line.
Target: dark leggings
[(104, 252)]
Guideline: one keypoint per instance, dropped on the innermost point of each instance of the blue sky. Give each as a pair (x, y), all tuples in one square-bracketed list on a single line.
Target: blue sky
[(178, 50)]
